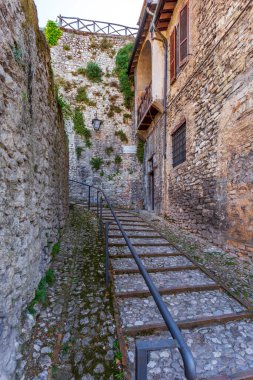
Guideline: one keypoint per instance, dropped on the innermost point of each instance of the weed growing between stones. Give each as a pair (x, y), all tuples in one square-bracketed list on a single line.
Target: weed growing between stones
[(122, 136), (109, 150), (140, 151), (53, 33), (118, 160), (93, 72), (41, 291), (96, 163), (81, 71), (126, 117), (82, 97), (56, 249), (79, 150), (66, 47)]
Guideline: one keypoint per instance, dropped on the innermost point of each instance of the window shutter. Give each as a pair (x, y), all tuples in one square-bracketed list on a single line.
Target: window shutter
[(184, 35), (173, 56)]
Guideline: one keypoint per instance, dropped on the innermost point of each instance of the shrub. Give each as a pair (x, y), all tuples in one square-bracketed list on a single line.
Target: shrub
[(122, 136), (82, 95), (53, 33), (79, 125), (122, 62), (118, 160), (96, 163), (140, 151), (93, 72)]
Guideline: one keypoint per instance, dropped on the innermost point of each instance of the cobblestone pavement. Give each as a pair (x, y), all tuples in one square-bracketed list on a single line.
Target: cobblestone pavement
[(233, 271), (216, 326), (74, 335)]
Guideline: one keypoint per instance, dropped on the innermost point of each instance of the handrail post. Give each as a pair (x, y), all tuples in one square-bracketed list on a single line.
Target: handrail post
[(98, 203), (89, 198), (107, 254), (101, 215)]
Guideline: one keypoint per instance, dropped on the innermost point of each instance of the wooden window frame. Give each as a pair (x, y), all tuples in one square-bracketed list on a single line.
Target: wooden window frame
[(173, 73), (184, 60), (177, 144)]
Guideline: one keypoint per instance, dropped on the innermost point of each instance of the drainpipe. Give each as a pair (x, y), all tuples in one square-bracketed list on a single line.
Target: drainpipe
[(165, 85)]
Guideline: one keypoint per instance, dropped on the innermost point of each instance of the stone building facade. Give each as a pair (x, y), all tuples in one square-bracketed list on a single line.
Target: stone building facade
[(209, 107), (34, 165), (119, 174)]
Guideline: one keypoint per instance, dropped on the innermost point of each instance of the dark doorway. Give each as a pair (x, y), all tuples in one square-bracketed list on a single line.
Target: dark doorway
[(151, 185)]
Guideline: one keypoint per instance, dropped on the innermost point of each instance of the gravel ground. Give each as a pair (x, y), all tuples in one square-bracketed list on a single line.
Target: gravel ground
[(74, 335)]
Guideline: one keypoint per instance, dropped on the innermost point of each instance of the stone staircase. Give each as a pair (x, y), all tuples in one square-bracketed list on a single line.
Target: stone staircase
[(217, 326)]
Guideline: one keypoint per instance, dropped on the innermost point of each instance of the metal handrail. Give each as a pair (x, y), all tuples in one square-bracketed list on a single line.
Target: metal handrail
[(187, 357), (93, 26)]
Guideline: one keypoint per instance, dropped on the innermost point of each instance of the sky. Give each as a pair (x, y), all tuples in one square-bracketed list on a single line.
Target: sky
[(124, 12)]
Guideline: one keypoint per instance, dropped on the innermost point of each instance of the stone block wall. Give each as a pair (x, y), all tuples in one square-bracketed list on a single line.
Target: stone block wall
[(121, 181), (211, 192), (33, 168)]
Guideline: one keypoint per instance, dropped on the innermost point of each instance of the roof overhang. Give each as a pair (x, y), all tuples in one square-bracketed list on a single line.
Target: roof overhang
[(163, 10)]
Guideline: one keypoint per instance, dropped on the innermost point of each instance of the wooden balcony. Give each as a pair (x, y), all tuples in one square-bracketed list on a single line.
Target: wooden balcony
[(147, 109)]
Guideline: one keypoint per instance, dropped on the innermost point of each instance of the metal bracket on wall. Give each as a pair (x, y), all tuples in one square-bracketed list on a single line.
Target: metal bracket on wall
[(142, 354)]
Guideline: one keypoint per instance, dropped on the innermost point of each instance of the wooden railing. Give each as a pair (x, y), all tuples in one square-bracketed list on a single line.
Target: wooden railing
[(92, 26), (146, 100)]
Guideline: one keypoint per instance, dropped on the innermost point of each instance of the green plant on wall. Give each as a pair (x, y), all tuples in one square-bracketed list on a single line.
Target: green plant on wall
[(96, 163), (117, 160), (79, 126), (140, 151), (109, 150), (79, 150), (53, 33), (122, 62), (66, 109), (93, 72), (82, 95), (122, 136)]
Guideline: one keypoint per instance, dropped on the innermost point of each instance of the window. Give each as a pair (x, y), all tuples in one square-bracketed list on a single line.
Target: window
[(179, 42), (179, 145)]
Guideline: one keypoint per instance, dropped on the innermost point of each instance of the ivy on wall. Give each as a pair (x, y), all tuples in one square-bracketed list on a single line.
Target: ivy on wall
[(122, 62)]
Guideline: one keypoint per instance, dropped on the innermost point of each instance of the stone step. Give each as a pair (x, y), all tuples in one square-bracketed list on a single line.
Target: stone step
[(135, 282), (129, 228), (171, 290), (118, 250), (151, 262), (128, 223), (134, 234), (152, 240), (182, 306), (219, 350)]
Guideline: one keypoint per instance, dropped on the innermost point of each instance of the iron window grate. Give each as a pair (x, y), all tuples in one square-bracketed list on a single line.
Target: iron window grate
[(179, 145)]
